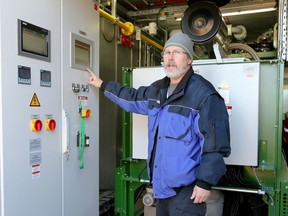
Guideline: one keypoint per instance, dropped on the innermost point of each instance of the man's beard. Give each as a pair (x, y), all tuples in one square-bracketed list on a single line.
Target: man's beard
[(178, 73)]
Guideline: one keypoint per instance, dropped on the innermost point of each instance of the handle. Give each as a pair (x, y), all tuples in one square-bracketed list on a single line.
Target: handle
[(66, 134)]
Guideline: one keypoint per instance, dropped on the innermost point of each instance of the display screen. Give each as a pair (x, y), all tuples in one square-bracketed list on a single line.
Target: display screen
[(45, 76), (24, 75), (34, 41), (82, 53), (24, 72)]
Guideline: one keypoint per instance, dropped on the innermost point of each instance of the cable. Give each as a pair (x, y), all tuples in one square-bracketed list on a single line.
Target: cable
[(258, 180), (272, 203), (236, 202), (157, 17), (139, 193)]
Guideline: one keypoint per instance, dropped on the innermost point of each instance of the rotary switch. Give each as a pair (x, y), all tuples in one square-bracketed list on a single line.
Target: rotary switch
[(36, 125), (50, 124)]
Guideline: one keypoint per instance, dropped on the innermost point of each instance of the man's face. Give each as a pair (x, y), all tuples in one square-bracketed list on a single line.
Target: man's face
[(176, 62)]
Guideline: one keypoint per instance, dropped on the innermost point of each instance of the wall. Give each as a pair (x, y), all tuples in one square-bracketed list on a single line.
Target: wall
[(113, 57)]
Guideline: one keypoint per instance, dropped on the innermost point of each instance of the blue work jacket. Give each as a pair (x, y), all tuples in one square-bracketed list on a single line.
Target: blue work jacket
[(190, 129)]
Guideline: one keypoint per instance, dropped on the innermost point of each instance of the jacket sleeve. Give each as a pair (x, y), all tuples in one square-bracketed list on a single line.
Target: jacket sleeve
[(214, 126), (128, 98)]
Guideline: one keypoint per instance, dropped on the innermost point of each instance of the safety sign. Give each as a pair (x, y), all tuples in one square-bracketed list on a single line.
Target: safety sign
[(34, 102)]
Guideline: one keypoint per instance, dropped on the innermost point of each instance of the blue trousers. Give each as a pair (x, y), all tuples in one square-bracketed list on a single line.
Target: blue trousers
[(180, 204)]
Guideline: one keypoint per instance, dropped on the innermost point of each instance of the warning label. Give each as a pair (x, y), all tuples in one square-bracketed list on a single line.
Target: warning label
[(34, 102)]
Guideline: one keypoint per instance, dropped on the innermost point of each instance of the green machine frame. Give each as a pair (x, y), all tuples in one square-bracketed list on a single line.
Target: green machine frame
[(270, 176)]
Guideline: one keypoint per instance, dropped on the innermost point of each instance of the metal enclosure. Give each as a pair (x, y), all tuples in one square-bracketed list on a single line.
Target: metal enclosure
[(264, 167), (238, 84), (80, 185), (40, 114)]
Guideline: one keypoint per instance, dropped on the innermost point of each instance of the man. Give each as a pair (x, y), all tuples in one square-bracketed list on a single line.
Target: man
[(188, 130)]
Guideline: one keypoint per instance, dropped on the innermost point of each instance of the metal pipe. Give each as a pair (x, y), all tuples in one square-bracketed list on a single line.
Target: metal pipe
[(245, 48), (153, 43), (128, 28), (275, 40), (113, 20), (133, 6), (113, 11), (148, 60), (247, 190), (140, 54), (239, 32)]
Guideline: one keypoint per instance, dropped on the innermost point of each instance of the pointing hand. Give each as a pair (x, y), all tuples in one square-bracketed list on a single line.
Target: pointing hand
[(93, 79)]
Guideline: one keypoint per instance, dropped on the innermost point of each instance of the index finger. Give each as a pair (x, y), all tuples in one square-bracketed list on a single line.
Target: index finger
[(91, 72)]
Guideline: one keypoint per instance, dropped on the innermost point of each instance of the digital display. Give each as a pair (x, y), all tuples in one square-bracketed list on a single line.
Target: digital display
[(24, 75), (33, 41), (45, 78), (82, 53)]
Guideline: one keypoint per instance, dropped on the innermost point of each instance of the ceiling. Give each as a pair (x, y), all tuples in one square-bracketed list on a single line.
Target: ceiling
[(165, 12)]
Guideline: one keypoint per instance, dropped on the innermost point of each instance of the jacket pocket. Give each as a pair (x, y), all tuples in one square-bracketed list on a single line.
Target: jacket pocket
[(179, 125), (183, 137)]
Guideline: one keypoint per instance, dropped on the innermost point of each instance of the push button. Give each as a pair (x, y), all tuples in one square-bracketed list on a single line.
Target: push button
[(86, 113)]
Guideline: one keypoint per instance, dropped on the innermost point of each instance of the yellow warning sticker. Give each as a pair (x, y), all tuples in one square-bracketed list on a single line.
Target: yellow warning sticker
[(35, 102)]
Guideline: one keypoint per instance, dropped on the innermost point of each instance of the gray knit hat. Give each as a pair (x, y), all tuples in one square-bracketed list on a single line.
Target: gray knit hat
[(181, 40)]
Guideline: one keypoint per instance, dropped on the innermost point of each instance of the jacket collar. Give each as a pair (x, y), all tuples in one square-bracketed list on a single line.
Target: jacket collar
[(183, 82)]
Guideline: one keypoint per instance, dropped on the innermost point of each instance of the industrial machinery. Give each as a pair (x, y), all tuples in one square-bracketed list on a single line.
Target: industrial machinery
[(49, 143), (253, 91), (256, 165)]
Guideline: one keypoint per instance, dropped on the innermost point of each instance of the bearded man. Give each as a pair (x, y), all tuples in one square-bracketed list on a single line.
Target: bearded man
[(188, 130)]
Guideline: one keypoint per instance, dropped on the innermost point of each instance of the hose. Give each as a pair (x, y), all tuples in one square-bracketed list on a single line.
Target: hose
[(244, 47)]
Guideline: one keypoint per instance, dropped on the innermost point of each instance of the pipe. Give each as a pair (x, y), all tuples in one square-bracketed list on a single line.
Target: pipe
[(113, 11), (275, 41), (153, 43), (247, 190), (239, 32), (140, 54), (114, 20), (127, 28), (245, 48)]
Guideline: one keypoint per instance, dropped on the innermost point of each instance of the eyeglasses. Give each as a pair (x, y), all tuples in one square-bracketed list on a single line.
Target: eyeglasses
[(175, 53)]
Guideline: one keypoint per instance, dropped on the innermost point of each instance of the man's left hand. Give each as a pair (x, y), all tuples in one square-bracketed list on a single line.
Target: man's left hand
[(200, 195)]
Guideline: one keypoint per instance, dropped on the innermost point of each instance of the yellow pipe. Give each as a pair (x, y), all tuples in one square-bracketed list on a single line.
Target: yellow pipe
[(153, 43), (128, 28), (113, 20)]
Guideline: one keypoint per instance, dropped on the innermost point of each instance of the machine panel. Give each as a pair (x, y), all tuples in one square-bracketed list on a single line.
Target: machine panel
[(80, 144), (238, 83), (30, 150), (41, 171)]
